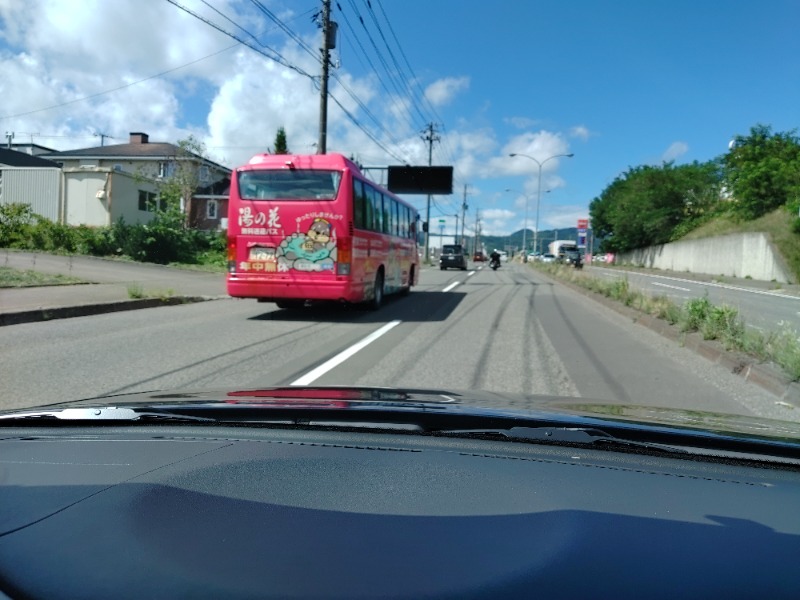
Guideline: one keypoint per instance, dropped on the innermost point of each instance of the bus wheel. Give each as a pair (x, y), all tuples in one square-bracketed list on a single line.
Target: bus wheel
[(377, 296)]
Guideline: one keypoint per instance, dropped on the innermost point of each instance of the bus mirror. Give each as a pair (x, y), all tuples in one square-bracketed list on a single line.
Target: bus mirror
[(425, 226)]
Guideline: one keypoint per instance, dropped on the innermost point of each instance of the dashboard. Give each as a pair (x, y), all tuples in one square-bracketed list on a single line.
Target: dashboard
[(198, 511)]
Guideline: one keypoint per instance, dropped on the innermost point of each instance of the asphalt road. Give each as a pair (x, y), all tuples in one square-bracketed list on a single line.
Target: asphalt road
[(768, 307), (509, 331)]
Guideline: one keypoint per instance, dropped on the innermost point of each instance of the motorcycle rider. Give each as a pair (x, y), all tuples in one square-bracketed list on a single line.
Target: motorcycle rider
[(494, 258)]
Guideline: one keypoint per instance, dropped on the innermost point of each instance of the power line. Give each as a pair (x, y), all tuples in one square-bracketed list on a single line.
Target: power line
[(372, 137), (276, 56), (394, 60), (116, 89), (378, 54), (394, 97), (415, 80), (286, 29)]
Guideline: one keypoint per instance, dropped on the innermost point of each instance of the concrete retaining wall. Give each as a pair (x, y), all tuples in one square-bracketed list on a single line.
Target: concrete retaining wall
[(735, 255)]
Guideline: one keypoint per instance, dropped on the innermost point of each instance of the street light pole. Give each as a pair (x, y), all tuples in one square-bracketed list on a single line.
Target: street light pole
[(538, 199)]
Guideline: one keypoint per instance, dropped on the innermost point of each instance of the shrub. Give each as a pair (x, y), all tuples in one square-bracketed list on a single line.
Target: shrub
[(723, 323), (695, 312), (16, 221)]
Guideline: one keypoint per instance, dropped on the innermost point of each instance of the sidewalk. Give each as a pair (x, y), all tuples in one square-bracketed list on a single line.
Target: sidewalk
[(113, 283)]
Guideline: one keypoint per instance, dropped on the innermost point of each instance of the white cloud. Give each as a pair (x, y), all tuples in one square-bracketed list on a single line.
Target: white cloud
[(541, 146), (199, 82), (497, 213), (675, 150), (561, 216), (498, 221), (441, 92), (521, 122), (581, 132)]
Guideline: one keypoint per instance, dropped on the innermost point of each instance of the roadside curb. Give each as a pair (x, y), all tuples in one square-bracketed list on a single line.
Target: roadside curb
[(765, 376), (85, 310)]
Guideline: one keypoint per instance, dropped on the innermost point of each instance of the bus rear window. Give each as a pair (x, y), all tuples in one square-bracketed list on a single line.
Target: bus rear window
[(289, 184)]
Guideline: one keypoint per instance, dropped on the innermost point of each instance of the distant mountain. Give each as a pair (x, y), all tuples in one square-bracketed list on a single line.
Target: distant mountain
[(513, 242)]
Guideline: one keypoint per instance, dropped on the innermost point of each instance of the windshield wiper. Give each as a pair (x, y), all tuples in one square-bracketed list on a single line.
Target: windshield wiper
[(582, 436), (110, 413)]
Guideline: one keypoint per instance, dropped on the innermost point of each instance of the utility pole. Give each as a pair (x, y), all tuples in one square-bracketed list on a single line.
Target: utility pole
[(10, 136), (477, 231), (464, 212), (102, 137), (328, 42), (430, 136)]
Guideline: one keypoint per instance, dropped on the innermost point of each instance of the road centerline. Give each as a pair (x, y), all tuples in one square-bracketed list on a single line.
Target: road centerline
[(451, 286), (331, 363)]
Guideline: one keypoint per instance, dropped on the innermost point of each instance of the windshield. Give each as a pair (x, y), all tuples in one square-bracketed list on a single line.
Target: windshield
[(657, 142)]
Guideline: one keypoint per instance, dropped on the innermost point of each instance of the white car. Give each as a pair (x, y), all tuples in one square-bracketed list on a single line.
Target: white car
[(549, 258)]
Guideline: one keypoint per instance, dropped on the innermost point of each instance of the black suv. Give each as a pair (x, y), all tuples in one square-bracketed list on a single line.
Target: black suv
[(573, 258), (453, 256)]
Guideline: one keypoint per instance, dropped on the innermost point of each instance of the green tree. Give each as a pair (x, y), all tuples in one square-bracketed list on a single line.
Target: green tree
[(762, 171), (280, 141), (646, 204), (183, 181)]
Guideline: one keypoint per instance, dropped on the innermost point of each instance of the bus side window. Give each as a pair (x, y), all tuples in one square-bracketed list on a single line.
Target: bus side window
[(387, 214), (359, 202), (373, 208), (395, 217), (377, 210)]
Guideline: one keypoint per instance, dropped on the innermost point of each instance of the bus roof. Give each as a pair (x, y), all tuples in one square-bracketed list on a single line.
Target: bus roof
[(301, 161)]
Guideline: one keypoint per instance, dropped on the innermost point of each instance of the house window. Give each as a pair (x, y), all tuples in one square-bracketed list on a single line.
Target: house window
[(118, 167), (166, 169), (147, 201), (212, 209), (205, 174)]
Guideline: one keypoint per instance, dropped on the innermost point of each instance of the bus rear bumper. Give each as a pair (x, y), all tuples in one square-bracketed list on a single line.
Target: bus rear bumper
[(339, 290)]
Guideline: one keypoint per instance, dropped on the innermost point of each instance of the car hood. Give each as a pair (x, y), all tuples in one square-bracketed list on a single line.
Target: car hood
[(557, 410)]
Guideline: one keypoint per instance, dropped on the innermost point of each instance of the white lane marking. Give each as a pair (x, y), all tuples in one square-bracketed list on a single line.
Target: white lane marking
[(451, 286), (315, 374), (471, 273), (673, 287), (777, 294)]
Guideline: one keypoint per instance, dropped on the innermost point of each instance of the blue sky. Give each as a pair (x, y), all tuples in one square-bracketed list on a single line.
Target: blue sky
[(618, 84)]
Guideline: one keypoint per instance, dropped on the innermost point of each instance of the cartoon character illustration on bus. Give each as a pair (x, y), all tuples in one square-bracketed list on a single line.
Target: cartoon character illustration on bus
[(311, 250)]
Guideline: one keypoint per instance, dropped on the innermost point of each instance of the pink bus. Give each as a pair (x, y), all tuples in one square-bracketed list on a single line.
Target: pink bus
[(312, 227)]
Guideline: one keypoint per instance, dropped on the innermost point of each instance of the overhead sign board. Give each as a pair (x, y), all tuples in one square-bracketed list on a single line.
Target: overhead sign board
[(420, 180)]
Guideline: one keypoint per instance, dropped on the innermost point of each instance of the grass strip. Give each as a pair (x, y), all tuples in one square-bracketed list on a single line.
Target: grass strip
[(722, 323), (16, 278)]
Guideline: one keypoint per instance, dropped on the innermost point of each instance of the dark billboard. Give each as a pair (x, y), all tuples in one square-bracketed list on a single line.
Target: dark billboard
[(420, 180)]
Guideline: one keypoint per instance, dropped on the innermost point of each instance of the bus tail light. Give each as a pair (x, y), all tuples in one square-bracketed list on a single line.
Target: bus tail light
[(344, 256), (231, 256)]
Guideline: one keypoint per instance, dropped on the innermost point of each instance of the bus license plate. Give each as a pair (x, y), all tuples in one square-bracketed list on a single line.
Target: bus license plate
[(261, 253)]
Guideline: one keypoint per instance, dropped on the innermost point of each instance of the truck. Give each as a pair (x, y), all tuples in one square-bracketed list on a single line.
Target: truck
[(559, 247)]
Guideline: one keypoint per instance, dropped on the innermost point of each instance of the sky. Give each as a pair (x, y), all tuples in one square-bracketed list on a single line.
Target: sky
[(615, 83)]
